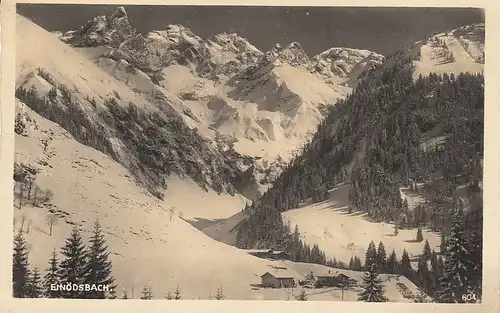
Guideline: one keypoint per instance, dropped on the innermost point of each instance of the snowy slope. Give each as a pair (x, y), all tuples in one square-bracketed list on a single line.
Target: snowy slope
[(466, 44), (343, 235), (99, 123), (150, 245), (264, 105)]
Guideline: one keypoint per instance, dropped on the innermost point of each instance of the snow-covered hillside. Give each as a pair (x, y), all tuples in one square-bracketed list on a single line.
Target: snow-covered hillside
[(456, 51), (343, 235), (260, 105), (150, 244), (106, 114)]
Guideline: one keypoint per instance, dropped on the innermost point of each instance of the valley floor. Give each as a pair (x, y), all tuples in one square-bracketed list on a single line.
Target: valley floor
[(150, 244), (343, 235)]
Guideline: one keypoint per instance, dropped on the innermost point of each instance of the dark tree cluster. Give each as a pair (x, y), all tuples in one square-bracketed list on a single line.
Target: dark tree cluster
[(424, 134), (80, 264), (159, 143)]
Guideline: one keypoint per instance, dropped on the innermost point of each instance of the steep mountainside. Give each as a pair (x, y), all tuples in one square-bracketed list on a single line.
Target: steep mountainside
[(259, 106), (398, 139), (149, 138)]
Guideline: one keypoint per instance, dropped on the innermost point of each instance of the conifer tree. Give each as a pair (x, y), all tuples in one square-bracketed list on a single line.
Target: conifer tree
[(169, 296), (20, 271), (426, 254), (405, 268), (72, 268), (423, 275), (177, 293), (392, 263), (51, 277), (435, 273), (146, 293), (220, 294), (35, 289), (381, 258), (302, 296), (443, 243), (351, 264), (357, 263), (98, 268), (420, 237), (456, 279), (125, 296), (371, 256), (372, 290)]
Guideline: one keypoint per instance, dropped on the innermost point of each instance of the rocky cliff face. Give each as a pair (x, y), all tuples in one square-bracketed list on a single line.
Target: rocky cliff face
[(272, 100)]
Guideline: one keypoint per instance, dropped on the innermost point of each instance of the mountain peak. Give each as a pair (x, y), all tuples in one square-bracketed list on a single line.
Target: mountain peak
[(102, 30), (294, 54)]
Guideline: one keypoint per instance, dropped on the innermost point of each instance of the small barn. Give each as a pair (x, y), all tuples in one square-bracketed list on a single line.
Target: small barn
[(269, 254), (279, 255), (275, 280), (330, 279), (260, 253)]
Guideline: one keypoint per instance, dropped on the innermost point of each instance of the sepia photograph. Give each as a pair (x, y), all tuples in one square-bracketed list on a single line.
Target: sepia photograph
[(248, 153)]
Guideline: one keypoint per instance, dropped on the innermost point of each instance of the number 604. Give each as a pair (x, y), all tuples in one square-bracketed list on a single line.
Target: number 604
[(469, 297)]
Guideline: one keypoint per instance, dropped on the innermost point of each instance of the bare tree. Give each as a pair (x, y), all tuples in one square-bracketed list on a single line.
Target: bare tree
[(172, 212), (22, 189), (51, 220), (30, 181), (28, 227), (36, 195), (23, 219), (47, 195)]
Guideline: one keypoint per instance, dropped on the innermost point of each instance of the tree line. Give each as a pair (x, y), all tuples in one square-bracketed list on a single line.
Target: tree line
[(384, 131), (159, 143), (80, 265)]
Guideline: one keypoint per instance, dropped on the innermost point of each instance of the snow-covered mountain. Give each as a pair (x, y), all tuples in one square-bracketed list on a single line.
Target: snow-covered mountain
[(259, 105), (110, 144)]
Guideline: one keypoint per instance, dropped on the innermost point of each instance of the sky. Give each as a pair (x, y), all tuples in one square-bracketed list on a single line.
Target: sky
[(383, 30)]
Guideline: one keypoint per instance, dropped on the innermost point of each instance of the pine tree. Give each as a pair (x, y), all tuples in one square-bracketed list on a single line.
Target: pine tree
[(177, 294), (423, 275), (420, 237), (371, 256), (220, 294), (426, 254), (456, 279), (381, 258), (443, 243), (392, 263), (302, 296), (146, 293), (351, 264), (72, 268), (20, 271), (125, 296), (98, 268), (35, 289), (51, 277), (169, 296), (435, 273), (405, 268), (372, 287)]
